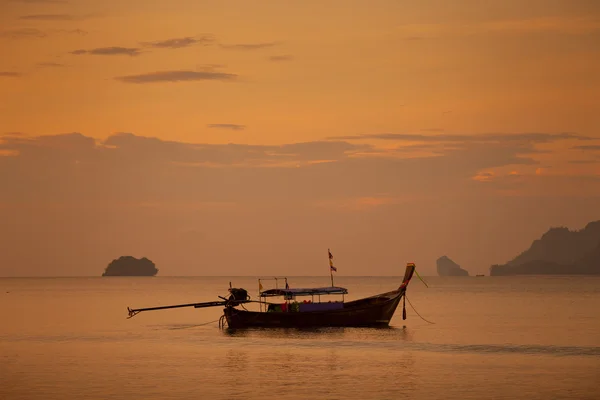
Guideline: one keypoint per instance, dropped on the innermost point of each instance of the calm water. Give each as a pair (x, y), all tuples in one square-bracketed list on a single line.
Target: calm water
[(493, 338)]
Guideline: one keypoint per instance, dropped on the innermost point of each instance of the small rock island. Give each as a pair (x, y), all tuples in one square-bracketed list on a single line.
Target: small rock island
[(559, 251), (130, 266), (447, 267)]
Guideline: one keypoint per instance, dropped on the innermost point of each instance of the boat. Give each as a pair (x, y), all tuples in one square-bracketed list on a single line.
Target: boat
[(294, 312)]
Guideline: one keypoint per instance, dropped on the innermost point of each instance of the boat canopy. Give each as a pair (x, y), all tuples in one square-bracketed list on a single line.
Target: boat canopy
[(303, 291)]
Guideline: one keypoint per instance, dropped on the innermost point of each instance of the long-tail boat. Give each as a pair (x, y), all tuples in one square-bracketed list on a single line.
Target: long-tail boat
[(371, 311)]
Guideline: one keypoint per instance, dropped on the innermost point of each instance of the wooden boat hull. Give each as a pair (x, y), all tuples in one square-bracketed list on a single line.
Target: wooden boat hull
[(372, 311)]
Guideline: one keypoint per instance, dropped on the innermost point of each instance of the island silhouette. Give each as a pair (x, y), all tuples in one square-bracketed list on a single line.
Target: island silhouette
[(559, 251), (447, 267), (130, 266)]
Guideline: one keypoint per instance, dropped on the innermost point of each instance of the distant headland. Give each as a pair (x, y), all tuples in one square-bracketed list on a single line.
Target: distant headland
[(447, 267), (558, 252), (130, 266)]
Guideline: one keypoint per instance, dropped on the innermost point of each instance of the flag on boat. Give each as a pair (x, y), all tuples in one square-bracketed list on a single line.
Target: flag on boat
[(260, 286), (331, 267)]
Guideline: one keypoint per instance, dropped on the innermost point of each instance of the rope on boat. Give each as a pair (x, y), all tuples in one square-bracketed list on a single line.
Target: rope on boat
[(419, 276), (417, 311), (195, 326), (208, 323), (222, 322)]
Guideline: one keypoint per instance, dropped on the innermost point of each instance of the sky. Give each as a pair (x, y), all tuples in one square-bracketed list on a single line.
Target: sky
[(247, 138)]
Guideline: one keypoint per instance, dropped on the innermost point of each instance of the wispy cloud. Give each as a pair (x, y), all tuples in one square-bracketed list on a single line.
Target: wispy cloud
[(49, 17), (234, 127), (50, 65), (41, 1), (178, 43), (285, 57), (23, 33), (109, 51), (482, 138), (484, 177), (249, 46), (584, 161), (18, 134), (10, 74), (479, 160), (33, 33), (71, 31), (587, 147), (177, 76)]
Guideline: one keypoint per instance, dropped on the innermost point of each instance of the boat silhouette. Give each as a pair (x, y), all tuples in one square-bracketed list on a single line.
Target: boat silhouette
[(293, 312)]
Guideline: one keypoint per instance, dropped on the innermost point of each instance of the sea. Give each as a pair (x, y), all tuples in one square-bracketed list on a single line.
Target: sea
[(524, 337)]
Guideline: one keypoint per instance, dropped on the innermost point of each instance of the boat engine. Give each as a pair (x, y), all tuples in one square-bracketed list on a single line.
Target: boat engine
[(238, 294)]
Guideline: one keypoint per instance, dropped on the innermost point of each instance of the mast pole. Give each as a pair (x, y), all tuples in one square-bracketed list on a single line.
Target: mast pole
[(330, 265)]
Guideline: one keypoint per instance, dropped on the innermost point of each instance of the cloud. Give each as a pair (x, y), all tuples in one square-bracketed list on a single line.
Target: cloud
[(32, 33), (41, 1), (49, 17), (178, 43), (497, 151), (50, 65), (71, 31), (249, 46), (587, 147), (23, 33), (178, 152), (234, 127), (476, 156), (267, 201), (281, 58), (177, 76), (482, 138), (256, 172), (484, 177), (10, 74), (19, 134), (109, 51), (584, 161)]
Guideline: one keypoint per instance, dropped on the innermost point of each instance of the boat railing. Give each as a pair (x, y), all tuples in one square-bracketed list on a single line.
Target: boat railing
[(299, 296), (262, 301), (275, 278)]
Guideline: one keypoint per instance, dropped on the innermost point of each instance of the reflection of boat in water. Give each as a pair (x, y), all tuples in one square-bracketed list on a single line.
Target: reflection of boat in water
[(294, 312)]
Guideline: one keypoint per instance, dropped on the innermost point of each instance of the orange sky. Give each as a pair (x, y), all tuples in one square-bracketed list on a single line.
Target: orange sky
[(389, 131)]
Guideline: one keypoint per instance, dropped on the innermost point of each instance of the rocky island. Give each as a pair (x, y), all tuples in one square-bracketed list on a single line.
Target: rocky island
[(558, 252), (447, 267), (130, 266)]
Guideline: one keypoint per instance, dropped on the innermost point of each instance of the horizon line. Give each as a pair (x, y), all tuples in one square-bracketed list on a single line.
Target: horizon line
[(196, 276)]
